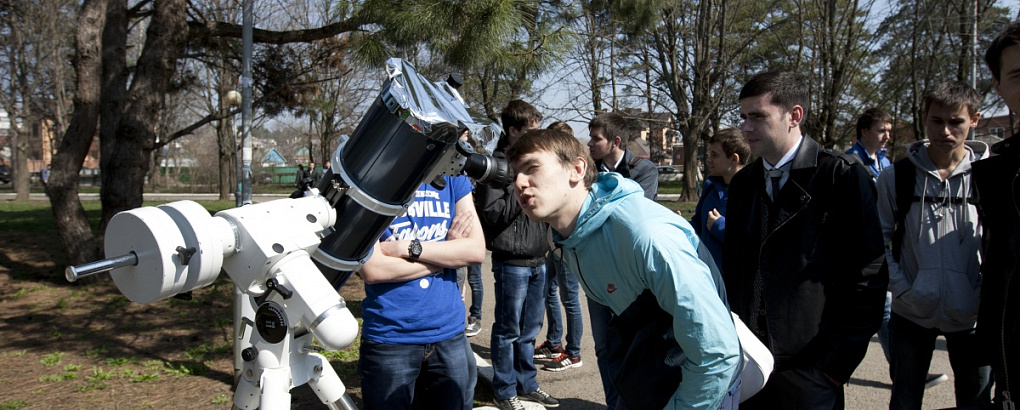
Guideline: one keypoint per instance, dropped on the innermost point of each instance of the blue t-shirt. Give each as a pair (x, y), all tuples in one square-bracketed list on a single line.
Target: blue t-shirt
[(427, 309)]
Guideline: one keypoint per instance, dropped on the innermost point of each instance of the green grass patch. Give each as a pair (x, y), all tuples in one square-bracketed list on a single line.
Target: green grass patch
[(52, 359), (120, 361), (98, 375), (145, 378), (25, 291), (180, 369), (221, 399), (15, 404), (200, 353), (95, 353), (34, 216), (91, 387), (59, 377), (671, 187)]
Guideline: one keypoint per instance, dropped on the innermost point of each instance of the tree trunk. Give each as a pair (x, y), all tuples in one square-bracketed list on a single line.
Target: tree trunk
[(135, 138), (72, 225), (22, 183), (225, 148)]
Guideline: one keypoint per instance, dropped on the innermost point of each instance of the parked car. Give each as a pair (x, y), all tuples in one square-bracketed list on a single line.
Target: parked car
[(668, 173)]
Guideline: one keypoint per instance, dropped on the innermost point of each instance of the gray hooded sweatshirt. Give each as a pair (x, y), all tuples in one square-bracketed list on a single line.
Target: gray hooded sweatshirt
[(937, 281)]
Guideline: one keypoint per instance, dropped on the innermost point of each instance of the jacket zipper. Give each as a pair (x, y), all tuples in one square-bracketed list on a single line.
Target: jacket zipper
[(573, 252)]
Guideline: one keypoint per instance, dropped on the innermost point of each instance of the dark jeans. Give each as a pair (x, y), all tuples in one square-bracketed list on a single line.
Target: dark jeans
[(797, 389), (474, 280), (520, 305), (600, 317), (568, 295), (911, 350), (428, 376)]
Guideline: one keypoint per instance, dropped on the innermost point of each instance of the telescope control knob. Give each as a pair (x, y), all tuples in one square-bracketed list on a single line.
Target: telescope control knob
[(271, 322)]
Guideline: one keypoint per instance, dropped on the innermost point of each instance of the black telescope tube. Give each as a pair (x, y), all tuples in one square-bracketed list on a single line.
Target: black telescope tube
[(387, 159)]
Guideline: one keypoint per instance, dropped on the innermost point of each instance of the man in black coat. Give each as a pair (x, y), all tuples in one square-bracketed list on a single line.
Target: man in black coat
[(997, 182), (802, 258)]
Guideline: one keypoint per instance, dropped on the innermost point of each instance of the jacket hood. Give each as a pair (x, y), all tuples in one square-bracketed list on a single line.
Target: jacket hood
[(917, 151), (608, 191)]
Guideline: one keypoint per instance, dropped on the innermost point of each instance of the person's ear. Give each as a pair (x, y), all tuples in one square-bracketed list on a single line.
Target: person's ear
[(796, 115), (974, 119), (577, 170)]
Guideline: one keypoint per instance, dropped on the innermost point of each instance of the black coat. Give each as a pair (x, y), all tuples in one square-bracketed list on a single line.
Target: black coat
[(641, 170), (997, 182), (823, 266)]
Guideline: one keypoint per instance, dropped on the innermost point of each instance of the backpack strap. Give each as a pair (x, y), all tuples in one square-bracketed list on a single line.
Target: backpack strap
[(904, 172)]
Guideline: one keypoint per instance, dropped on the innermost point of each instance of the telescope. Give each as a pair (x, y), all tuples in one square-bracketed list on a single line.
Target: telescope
[(288, 257)]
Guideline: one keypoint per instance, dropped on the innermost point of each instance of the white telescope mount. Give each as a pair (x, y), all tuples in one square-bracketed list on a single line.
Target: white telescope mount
[(283, 300)]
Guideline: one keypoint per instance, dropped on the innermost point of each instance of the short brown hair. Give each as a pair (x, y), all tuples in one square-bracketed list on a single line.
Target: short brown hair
[(952, 94), (563, 127), (1009, 36), (732, 142), (869, 118), (518, 114), (565, 147), (612, 125)]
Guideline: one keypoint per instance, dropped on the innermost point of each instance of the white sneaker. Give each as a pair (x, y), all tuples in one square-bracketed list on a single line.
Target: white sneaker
[(934, 380)]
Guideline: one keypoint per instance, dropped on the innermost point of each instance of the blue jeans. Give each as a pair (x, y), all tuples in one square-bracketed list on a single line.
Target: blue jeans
[(559, 275), (883, 332), (912, 347), (520, 304), (402, 376), (474, 280), (600, 317)]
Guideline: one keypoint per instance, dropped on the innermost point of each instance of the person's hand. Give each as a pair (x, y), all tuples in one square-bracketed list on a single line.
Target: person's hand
[(679, 212), (713, 215), (396, 249), (461, 226)]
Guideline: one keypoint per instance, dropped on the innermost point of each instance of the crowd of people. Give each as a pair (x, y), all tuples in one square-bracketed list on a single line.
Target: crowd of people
[(814, 250)]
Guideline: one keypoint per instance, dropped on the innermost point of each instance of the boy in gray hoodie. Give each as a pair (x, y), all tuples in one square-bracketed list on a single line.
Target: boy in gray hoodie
[(934, 257)]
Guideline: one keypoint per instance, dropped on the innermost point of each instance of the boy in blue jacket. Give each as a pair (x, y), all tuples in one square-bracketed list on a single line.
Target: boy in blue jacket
[(727, 154), (644, 263)]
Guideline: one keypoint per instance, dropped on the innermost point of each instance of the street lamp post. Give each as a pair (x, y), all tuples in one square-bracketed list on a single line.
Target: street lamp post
[(246, 82), (233, 99)]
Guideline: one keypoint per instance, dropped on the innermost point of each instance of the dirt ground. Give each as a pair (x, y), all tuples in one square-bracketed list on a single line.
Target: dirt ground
[(72, 346)]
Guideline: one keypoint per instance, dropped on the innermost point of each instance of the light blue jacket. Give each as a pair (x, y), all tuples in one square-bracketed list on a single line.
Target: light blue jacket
[(624, 244)]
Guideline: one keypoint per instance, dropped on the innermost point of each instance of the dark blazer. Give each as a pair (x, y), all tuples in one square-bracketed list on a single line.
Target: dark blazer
[(641, 170), (823, 270), (997, 182)]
